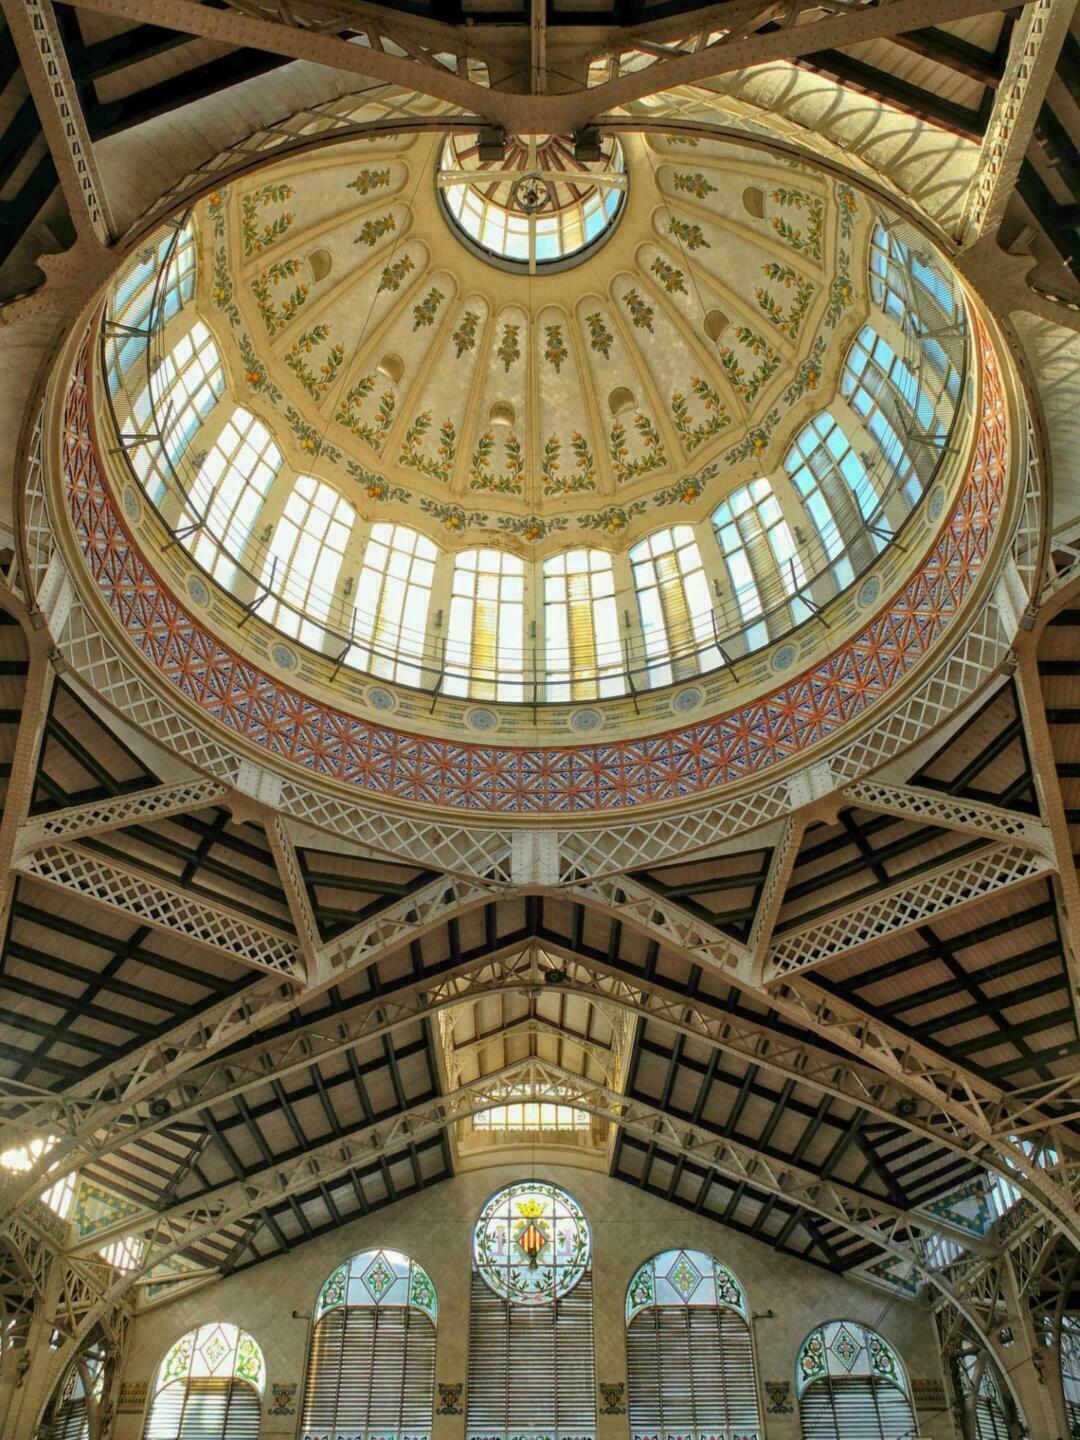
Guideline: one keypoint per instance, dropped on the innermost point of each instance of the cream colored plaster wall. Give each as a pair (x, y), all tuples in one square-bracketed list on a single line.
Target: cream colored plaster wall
[(1054, 357), (628, 1226)]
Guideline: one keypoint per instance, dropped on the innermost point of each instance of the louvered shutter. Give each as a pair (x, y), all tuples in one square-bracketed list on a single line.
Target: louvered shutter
[(370, 1369), (859, 1408), (691, 1372), (70, 1421), (205, 1409), (989, 1420), (531, 1367)]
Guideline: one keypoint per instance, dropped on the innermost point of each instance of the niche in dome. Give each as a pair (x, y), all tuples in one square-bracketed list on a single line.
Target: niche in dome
[(391, 367), (716, 322), (321, 262), (753, 200), (620, 400), (502, 413)]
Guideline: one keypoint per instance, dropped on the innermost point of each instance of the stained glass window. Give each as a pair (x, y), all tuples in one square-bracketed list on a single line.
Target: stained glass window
[(531, 1369), (531, 1243), (371, 1365), (690, 1355), (208, 1387), (852, 1385)]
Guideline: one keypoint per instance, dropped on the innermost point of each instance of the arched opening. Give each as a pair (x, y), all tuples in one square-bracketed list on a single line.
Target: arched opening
[(852, 1385), (531, 1366), (690, 1354), (208, 1387), (371, 1361)]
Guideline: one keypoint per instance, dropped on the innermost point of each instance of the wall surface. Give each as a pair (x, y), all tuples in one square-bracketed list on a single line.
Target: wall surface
[(628, 1227)]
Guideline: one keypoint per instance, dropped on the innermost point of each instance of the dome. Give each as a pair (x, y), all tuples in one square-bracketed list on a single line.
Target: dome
[(492, 482)]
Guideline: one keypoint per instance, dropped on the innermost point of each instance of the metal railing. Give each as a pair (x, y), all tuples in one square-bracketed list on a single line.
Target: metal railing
[(427, 660)]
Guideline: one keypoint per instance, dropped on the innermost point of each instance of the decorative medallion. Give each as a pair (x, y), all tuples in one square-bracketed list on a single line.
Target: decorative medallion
[(132, 503), (197, 590), (282, 1397), (582, 721), (380, 699), (283, 656), (778, 1396), (683, 701), (869, 591), (378, 1278), (684, 1276), (450, 1397), (845, 1347), (783, 658), (481, 719), (936, 503), (611, 1398)]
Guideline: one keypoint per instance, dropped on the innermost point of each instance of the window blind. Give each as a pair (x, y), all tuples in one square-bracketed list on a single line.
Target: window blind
[(691, 1372), (70, 1421), (205, 1408), (370, 1370), (531, 1367), (860, 1408)]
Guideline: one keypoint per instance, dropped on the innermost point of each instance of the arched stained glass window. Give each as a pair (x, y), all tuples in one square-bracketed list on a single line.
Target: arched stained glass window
[(674, 604), (531, 1366), (392, 598), (371, 1363), (208, 1387), (80, 1389), (690, 1356), (582, 656), (852, 1386), (485, 637)]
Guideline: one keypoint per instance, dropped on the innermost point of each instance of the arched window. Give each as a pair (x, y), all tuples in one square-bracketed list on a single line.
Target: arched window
[(133, 297), (690, 1356), (80, 1390), (582, 656), (208, 1387), (760, 556), (980, 1389), (531, 1366), (228, 494), (485, 635), (852, 1386), (186, 386), (838, 494), (392, 599), (1069, 1346), (371, 1365), (674, 604), (304, 558), (886, 396)]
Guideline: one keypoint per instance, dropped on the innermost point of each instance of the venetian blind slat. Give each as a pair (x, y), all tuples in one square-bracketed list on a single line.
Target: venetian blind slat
[(205, 1409), (370, 1369), (860, 1408), (691, 1372), (531, 1367)]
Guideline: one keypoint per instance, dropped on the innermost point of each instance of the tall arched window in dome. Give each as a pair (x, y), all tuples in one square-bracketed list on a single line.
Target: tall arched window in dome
[(839, 496), (762, 562), (301, 566), (582, 655), (674, 604), (181, 394), (371, 1361), (690, 1355), (486, 630), (852, 1386), (392, 597), (887, 398), (208, 1387), (224, 503), (531, 1366), (133, 298)]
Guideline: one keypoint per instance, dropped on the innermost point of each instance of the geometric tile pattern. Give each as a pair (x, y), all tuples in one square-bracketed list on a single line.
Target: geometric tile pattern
[(379, 760)]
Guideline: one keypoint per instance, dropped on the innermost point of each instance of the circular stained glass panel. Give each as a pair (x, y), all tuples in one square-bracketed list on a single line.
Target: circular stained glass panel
[(532, 1243)]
